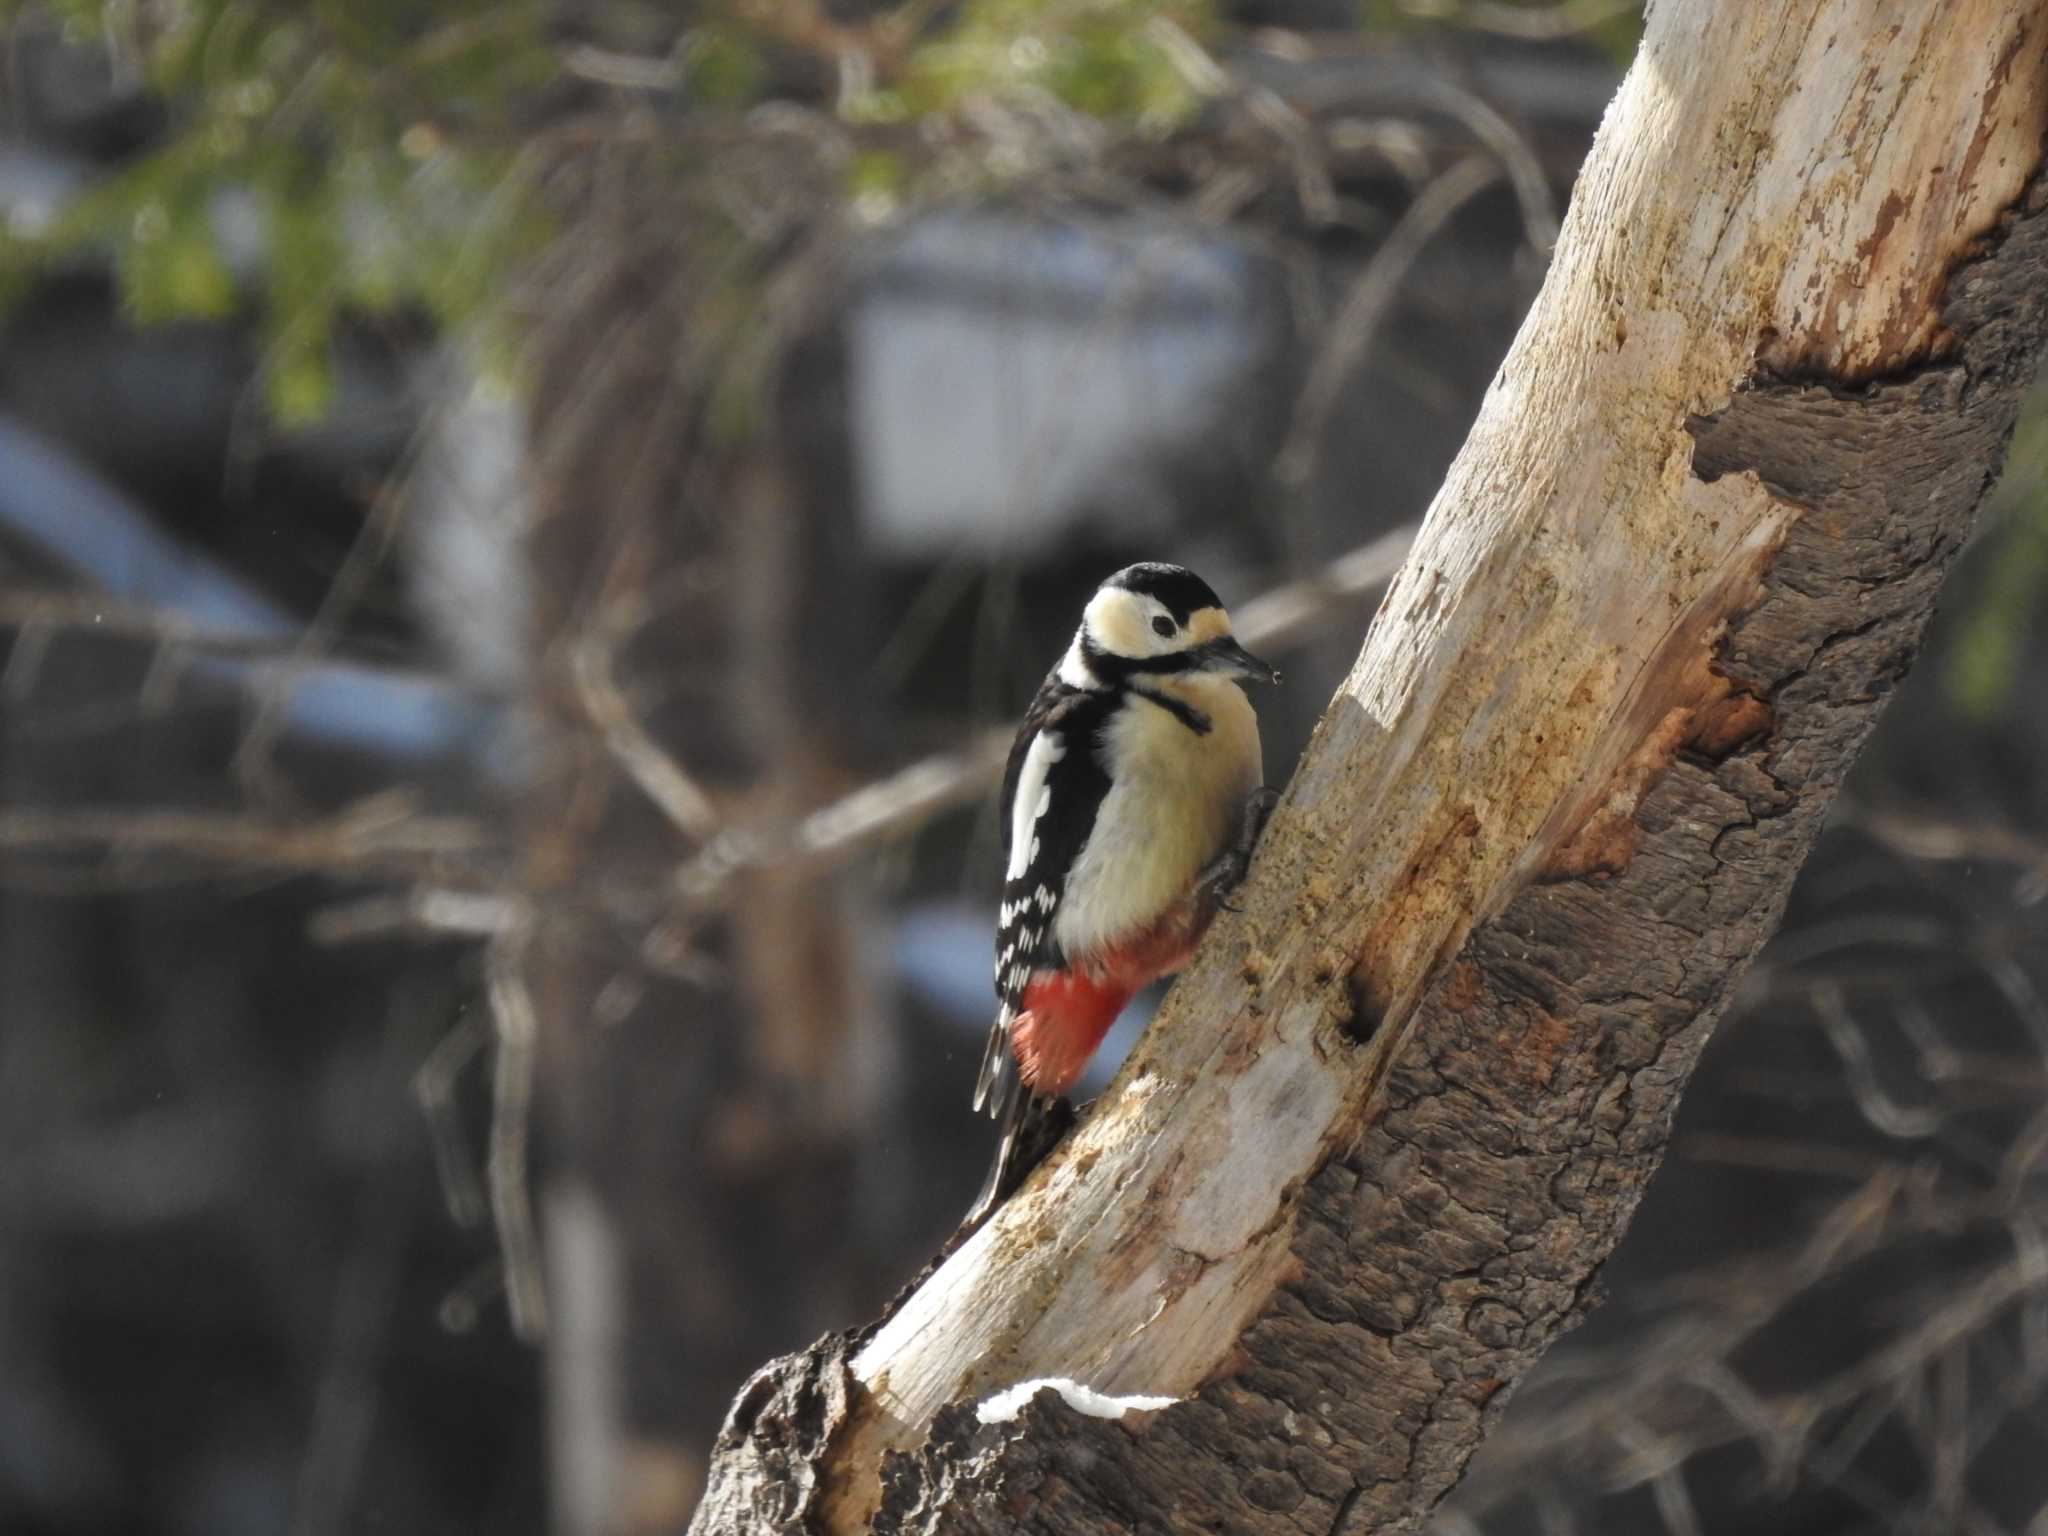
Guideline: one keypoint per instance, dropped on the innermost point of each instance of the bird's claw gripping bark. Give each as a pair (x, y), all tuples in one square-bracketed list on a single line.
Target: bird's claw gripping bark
[(1226, 873)]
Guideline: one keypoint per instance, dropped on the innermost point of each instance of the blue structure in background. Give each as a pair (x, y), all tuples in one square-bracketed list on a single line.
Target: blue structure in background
[(78, 522)]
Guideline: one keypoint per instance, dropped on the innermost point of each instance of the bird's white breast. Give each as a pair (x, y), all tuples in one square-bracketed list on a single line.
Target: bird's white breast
[(1174, 803)]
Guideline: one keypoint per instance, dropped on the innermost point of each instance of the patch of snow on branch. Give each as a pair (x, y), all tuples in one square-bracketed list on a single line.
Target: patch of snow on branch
[(1004, 1407)]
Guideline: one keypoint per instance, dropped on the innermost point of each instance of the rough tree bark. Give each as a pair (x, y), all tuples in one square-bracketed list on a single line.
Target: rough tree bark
[(1365, 1166)]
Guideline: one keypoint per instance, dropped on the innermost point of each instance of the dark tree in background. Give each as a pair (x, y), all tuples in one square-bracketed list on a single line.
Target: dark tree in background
[(518, 528)]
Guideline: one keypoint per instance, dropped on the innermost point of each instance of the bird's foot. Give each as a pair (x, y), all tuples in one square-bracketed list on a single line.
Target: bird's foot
[(1227, 870)]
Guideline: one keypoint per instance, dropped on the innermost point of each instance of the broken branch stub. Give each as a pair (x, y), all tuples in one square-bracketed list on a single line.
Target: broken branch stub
[(1363, 1168)]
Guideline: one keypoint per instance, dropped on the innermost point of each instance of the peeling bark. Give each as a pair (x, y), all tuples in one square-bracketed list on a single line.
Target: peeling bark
[(768, 1461), (1364, 1168)]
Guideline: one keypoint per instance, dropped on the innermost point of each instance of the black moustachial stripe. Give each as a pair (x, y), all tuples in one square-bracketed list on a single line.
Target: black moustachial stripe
[(1185, 713), (1112, 668)]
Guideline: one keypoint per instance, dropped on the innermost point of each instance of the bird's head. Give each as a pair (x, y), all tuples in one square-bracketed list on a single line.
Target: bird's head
[(1159, 620)]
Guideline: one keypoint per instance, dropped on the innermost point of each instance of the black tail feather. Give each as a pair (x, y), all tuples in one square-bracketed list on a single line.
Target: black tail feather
[(993, 1086), (1031, 1126)]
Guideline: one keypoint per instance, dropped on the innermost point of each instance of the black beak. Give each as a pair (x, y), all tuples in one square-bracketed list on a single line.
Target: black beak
[(1233, 660)]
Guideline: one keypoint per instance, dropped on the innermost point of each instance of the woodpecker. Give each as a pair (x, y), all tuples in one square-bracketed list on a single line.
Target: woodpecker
[(1130, 804)]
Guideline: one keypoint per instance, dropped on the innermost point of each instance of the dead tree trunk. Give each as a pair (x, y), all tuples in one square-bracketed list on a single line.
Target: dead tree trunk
[(1365, 1166)]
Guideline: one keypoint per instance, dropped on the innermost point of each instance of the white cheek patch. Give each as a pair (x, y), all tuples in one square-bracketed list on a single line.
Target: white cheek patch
[(1034, 798), (1121, 622), (1206, 624)]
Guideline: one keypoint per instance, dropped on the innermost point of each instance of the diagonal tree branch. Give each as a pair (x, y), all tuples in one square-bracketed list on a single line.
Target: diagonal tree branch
[(1366, 1164)]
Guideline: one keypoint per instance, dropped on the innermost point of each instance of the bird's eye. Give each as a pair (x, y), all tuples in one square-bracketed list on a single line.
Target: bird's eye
[(1163, 627)]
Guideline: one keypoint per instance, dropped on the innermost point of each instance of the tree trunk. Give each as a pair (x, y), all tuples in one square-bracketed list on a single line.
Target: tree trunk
[(1365, 1165)]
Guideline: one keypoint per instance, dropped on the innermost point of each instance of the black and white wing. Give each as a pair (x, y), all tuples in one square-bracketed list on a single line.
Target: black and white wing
[(1051, 791)]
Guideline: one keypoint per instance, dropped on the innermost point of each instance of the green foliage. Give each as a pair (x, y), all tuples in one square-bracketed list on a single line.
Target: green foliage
[(724, 66), (1112, 59), (365, 144), (329, 156), (336, 156), (1615, 27)]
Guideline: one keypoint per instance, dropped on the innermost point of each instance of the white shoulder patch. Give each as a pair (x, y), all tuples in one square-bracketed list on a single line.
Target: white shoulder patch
[(1074, 669), (1034, 795)]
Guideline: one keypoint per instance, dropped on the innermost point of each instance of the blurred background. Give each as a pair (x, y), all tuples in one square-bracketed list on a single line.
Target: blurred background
[(522, 527)]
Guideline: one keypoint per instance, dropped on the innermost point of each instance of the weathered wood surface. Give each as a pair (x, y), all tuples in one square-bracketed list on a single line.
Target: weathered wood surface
[(1364, 1167)]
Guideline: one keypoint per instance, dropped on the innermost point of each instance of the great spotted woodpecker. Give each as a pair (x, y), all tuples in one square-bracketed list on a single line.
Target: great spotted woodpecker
[(1130, 804)]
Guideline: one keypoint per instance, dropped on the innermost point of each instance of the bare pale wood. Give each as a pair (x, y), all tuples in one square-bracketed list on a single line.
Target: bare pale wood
[(1641, 633)]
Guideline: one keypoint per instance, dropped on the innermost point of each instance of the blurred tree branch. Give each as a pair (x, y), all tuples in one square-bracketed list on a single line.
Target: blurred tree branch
[(386, 837)]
